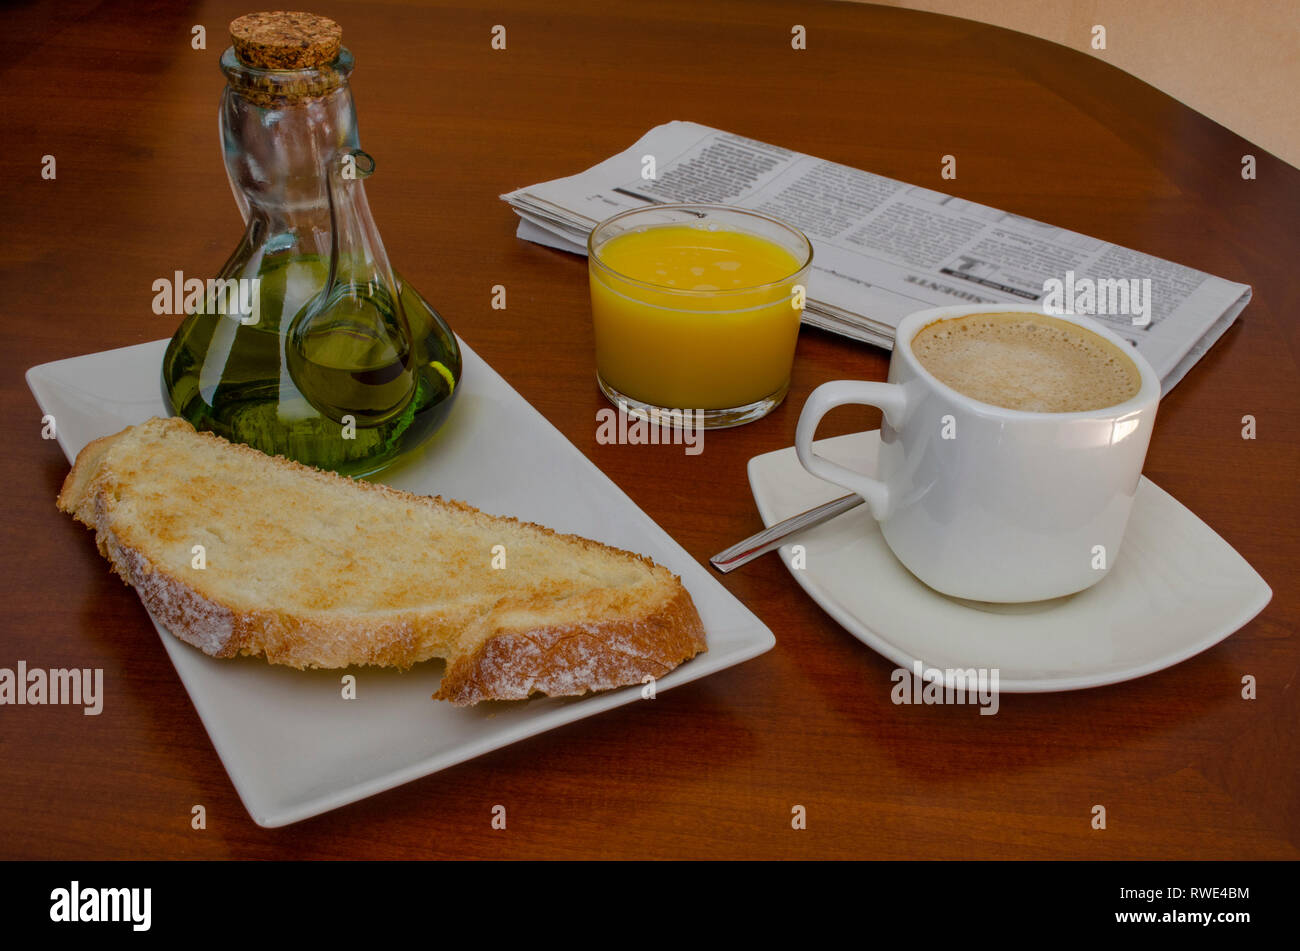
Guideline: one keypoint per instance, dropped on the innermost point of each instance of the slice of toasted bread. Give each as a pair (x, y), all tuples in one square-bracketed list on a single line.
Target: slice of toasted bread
[(311, 569)]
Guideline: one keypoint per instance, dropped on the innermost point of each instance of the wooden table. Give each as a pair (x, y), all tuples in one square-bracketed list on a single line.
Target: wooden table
[(1184, 765)]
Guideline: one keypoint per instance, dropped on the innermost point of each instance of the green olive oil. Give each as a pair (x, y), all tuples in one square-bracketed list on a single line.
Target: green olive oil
[(348, 390)]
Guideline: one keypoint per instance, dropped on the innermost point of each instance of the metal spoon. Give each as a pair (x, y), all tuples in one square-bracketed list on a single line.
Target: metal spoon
[(774, 536)]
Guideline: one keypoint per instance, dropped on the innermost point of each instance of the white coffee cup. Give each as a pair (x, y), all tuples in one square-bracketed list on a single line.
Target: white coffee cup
[(987, 503)]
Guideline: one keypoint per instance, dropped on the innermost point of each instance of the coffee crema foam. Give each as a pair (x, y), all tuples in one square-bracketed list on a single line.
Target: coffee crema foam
[(1030, 362)]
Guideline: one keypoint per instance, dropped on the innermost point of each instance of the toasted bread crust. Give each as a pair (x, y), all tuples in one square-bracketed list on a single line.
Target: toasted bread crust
[(576, 658), (490, 654)]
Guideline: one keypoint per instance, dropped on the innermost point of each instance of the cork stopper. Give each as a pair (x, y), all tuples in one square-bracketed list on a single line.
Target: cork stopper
[(284, 40)]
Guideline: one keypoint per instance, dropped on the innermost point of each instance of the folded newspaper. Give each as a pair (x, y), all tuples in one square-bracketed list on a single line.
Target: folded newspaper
[(883, 249)]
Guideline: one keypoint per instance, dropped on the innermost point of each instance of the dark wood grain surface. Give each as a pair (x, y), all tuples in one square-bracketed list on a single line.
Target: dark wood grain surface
[(1184, 765)]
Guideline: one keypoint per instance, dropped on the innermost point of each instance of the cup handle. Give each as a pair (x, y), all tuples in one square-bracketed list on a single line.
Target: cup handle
[(889, 397)]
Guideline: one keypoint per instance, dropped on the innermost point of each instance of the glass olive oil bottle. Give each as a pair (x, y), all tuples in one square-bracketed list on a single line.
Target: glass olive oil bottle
[(319, 352)]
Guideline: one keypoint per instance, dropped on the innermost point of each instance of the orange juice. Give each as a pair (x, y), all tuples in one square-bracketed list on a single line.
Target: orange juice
[(695, 316)]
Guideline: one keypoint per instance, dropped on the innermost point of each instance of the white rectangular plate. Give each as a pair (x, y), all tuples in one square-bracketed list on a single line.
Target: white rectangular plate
[(292, 745)]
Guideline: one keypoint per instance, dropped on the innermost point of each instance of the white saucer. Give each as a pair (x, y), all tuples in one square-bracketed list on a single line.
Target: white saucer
[(1176, 589)]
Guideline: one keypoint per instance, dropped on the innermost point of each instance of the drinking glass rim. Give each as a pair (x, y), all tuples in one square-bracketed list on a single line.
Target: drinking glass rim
[(706, 207)]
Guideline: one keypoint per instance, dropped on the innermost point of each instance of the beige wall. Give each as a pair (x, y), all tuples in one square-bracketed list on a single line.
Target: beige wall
[(1236, 61)]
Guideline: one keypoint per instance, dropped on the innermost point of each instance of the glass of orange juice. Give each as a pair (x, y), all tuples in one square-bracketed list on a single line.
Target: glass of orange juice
[(696, 310)]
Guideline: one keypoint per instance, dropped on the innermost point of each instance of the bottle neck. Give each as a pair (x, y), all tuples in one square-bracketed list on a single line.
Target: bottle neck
[(296, 167), (284, 133)]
